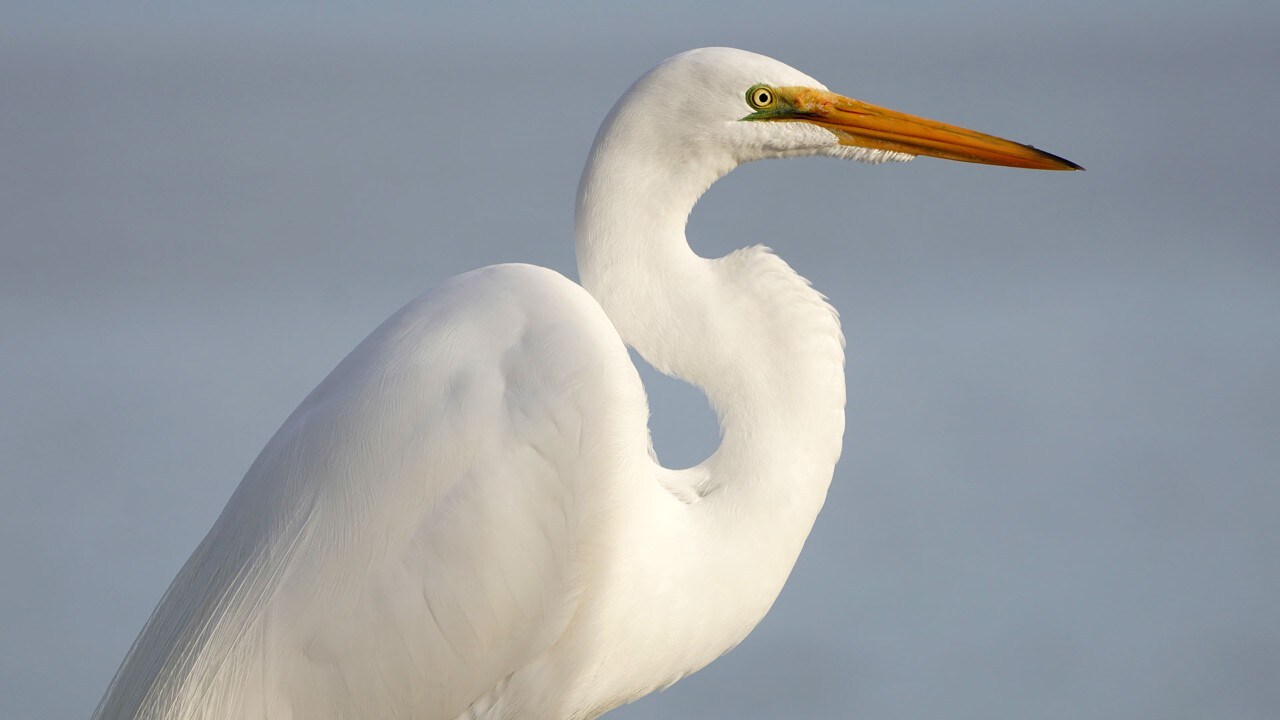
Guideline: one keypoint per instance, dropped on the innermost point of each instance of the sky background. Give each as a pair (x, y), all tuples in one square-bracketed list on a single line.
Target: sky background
[(1061, 478)]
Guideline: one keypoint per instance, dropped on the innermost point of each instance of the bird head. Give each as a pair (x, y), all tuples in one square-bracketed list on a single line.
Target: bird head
[(753, 107)]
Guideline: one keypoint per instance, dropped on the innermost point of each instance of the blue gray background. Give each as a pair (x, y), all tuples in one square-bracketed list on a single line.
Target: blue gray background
[(1059, 491)]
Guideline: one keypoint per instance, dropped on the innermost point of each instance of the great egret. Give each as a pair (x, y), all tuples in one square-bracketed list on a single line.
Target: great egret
[(465, 520)]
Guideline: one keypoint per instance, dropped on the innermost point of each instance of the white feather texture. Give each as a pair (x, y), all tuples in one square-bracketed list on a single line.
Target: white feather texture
[(464, 519)]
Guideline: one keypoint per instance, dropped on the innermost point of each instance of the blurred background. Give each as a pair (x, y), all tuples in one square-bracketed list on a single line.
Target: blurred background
[(1061, 475)]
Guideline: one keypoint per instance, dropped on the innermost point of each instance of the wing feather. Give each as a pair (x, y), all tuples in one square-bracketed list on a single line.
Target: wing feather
[(407, 539)]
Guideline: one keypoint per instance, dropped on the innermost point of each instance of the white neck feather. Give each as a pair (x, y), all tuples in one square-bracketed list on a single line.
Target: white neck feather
[(745, 329)]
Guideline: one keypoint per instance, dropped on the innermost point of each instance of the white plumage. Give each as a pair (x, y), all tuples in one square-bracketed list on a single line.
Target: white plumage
[(465, 520)]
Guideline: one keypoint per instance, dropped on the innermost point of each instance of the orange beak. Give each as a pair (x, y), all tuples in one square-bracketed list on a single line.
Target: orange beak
[(864, 125)]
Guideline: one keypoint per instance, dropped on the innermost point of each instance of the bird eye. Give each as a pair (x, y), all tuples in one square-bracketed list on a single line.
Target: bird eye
[(760, 97)]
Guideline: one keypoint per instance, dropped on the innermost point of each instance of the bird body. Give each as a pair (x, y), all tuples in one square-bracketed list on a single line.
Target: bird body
[(466, 519), (468, 504)]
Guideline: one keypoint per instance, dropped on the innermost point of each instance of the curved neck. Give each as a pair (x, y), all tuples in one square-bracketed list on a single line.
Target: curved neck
[(745, 329)]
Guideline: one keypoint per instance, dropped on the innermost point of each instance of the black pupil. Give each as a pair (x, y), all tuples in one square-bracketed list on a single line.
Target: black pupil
[(762, 97)]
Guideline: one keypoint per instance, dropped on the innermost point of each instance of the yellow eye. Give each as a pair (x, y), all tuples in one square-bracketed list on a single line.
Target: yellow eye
[(760, 97)]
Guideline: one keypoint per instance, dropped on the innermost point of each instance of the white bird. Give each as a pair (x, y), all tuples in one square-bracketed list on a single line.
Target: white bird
[(465, 518)]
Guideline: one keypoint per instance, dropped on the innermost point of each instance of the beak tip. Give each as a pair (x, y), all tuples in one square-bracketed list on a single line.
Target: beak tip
[(1058, 162)]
